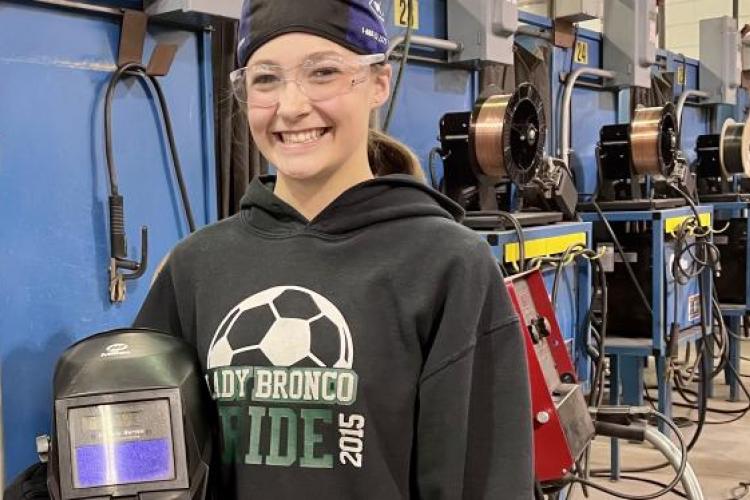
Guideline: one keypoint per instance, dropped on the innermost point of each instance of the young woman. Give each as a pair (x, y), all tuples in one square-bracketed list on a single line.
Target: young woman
[(358, 341)]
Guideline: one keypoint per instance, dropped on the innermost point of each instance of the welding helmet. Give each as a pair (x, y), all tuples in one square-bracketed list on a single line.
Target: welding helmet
[(132, 419)]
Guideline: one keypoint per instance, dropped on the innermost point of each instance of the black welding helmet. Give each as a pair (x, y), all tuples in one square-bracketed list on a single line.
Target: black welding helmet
[(132, 419)]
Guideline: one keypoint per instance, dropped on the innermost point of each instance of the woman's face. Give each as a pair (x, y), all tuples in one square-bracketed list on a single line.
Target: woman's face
[(306, 138)]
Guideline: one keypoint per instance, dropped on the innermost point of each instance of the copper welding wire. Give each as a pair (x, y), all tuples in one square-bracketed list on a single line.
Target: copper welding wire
[(645, 140), (487, 132)]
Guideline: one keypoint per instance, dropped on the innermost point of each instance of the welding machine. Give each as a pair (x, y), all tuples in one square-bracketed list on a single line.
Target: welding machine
[(638, 161), (132, 418), (494, 160), (562, 425), (723, 168), (720, 157)]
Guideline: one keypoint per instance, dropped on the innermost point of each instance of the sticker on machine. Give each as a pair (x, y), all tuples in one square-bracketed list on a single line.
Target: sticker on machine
[(694, 307)]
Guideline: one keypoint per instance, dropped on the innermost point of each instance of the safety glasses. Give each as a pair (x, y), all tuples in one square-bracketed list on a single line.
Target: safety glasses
[(318, 78)]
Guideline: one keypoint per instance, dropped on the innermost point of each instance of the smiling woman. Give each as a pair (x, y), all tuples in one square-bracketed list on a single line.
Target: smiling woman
[(346, 365), (308, 101)]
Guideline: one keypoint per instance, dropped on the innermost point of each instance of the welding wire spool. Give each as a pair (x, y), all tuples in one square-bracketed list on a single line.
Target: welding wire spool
[(507, 135), (653, 141), (734, 149), (486, 135)]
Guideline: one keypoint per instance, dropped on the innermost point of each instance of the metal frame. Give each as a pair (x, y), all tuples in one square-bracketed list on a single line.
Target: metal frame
[(733, 313), (627, 355)]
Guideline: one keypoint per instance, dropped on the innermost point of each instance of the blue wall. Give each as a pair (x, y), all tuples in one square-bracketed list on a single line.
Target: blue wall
[(55, 66)]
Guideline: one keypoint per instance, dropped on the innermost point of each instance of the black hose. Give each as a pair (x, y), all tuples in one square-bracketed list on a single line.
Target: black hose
[(138, 70), (626, 477), (114, 189), (668, 488), (175, 156)]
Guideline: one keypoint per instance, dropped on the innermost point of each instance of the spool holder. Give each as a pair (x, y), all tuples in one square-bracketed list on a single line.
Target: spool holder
[(498, 149), (722, 157), (637, 160)]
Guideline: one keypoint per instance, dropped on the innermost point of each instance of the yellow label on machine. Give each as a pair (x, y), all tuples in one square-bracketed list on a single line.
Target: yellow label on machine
[(544, 246), (581, 53), (680, 74), (401, 12), (671, 224)]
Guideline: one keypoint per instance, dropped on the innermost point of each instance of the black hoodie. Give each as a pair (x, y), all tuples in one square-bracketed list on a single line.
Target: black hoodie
[(371, 353)]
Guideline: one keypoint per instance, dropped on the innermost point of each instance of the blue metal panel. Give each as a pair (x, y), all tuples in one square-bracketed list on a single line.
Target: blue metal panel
[(428, 92), (589, 113), (53, 191)]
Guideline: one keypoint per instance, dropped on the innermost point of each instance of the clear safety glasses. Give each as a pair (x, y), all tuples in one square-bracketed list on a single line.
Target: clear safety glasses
[(320, 78)]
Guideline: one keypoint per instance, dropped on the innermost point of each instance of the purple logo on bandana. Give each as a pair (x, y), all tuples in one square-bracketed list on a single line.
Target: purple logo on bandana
[(366, 28)]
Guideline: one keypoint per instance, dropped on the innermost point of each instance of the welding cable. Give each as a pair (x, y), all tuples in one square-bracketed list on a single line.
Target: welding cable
[(175, 156), (702, 403), (570, 254), (616, 241), (740, 491), (538, 493), (721, 340), (519, 236), (740, 412), (136, 69), (562, 260), (597, 386), (402, 65), (680, 470), (691, 406), (625, 477)]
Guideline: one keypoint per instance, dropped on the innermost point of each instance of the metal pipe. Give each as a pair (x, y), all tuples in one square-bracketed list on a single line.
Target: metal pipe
[(425, 41), (567, 96), (681, 103), (674, 456), (736, 9)]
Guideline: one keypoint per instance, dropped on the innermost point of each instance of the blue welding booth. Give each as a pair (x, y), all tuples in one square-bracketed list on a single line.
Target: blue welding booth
[(55, 65), (700, 119)]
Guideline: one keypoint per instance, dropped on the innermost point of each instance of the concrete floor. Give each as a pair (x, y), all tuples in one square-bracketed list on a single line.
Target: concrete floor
[(721, 458)]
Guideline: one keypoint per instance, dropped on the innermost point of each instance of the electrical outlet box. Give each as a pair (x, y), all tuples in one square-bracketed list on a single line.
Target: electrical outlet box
[(575, 11), (485, 29), (720, 59), (630, 40), (193, 12)]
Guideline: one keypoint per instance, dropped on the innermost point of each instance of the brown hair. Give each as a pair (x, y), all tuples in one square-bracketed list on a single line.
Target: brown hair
[(389, 156)]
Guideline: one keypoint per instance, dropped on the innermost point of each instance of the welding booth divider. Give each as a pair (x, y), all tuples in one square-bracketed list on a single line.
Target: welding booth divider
[(54, 274)]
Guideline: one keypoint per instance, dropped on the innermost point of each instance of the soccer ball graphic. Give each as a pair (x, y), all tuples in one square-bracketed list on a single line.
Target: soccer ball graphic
[(283, 326)]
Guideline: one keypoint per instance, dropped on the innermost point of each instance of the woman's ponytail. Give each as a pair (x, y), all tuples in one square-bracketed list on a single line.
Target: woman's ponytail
[(389, 156)]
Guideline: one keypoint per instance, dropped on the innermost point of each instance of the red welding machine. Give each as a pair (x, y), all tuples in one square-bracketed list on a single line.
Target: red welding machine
[(562, 425)]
